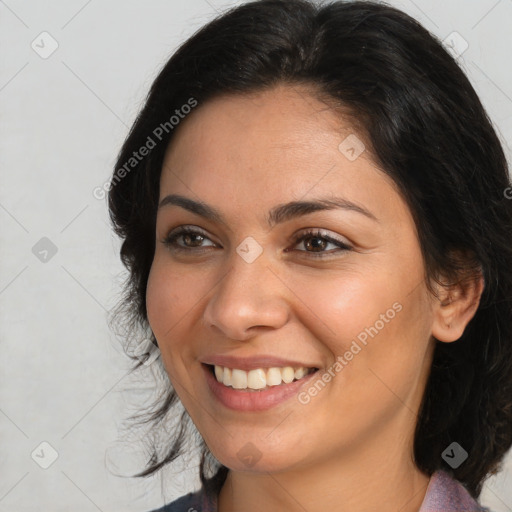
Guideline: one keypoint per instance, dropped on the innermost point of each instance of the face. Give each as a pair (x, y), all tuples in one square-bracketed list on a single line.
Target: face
[(338, 286)]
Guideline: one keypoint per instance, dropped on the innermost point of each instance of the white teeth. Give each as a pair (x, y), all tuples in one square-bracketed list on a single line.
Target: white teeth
[(256, 379), (238, 379), (226, 376), (300, 372), (273, 377), (288, 374), (259, 378)]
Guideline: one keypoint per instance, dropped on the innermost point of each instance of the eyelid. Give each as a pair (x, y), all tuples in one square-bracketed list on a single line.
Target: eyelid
[(320, 232), (185, 227)]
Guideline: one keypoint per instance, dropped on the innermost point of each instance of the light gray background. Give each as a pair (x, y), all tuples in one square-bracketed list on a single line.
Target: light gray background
[(63, 119)]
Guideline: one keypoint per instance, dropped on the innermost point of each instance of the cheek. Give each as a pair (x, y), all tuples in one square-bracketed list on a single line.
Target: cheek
[(156, 300), (340, 308), (168, 294), (173, 301), (374, 319), (166, 302), (164, 308)]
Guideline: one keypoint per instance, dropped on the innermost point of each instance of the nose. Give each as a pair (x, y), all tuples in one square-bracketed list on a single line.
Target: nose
[(250, 297)]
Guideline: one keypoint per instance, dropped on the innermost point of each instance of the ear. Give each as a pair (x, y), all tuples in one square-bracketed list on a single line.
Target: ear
[(455, 307)]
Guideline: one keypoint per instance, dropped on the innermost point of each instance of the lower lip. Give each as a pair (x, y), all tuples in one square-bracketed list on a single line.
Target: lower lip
[(241, 400)]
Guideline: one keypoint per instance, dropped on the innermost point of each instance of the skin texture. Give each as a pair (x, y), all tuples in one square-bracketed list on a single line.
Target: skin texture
[(350, 447)]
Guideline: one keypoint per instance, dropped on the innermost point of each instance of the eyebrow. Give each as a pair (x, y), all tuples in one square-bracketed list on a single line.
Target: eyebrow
[(278, 214)]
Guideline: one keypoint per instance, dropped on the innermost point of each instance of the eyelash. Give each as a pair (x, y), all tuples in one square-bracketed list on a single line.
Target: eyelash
[(170, 241)]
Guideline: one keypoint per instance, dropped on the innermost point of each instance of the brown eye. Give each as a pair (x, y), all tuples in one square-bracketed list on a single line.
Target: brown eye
[(191, 238), (316, 241)]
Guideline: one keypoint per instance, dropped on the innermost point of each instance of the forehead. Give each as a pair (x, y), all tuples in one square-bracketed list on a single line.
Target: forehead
[(254, 151), (284, 120)]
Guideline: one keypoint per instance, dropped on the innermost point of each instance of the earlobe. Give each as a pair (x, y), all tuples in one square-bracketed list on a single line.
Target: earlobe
[(455, 307)]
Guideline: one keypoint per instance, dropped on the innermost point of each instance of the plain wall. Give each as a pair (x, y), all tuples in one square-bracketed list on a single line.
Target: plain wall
[(63, 119)]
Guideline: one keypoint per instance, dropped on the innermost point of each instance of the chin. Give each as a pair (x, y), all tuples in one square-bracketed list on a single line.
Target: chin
[(256, 458)]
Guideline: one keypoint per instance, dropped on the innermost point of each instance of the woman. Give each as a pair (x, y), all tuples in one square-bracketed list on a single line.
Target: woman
[(313, 208)]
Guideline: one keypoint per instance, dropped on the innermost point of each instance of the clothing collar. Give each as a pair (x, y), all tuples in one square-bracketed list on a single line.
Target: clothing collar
[(447, 494), (443, 493)]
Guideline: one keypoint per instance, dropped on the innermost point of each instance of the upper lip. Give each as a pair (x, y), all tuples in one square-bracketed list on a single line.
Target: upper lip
[(252, 363)]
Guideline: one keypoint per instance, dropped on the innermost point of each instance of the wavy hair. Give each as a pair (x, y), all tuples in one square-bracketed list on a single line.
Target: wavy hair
[(425, 127)]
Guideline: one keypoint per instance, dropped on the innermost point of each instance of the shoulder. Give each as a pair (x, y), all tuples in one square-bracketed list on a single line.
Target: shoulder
[(191, 502), (446, 493)]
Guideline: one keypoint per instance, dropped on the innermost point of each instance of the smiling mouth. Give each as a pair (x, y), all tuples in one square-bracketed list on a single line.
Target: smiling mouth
[(259, 379)]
